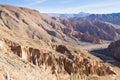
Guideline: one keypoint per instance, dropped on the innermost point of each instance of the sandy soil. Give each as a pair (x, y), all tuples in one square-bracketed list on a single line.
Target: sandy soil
[(89, 46)]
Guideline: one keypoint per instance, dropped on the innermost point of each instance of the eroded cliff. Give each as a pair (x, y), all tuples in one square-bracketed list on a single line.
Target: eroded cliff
[(60, 58), (114, 49)]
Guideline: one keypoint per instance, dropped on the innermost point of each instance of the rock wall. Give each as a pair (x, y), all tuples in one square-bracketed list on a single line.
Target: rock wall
[(63, 60), (114, 49)]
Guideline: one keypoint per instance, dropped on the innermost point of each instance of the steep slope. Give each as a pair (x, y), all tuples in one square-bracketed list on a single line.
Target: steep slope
[(14, 68), (90, 30), (32, 24), (60, 60), (114, 49)]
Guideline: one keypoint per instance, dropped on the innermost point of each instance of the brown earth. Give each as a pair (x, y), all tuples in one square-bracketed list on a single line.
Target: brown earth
[(27, 51), (65, 62), (30, 23)]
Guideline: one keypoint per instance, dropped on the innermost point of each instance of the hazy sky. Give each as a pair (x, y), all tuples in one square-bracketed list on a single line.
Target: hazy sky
[(68, 6)]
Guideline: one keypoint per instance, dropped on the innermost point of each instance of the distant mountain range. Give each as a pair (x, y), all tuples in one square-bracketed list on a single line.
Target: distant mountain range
[(94, 27), (113, 18), (70, 28), (81, 14)]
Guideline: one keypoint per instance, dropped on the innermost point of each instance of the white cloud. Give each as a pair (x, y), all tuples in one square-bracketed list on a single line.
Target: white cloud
[(34, 2)]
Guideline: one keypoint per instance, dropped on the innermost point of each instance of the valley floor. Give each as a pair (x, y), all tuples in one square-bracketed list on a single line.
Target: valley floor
[(110, 61), (90, 46)]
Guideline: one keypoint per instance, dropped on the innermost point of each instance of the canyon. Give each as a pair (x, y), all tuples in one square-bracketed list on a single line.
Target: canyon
[(90, 30), (114, 49), (60, 59), (34, 46)]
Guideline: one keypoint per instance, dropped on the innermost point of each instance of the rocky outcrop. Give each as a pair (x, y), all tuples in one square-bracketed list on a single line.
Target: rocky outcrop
[(13, 67), (62, 60), (114, 49)]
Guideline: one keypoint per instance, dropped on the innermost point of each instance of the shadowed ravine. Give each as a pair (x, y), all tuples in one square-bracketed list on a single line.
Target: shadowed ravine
[(100, 51), (105, 58)]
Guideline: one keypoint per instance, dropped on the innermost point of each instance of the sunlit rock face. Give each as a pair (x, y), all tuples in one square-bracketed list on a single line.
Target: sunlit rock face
[(1, 44), (62, 59)]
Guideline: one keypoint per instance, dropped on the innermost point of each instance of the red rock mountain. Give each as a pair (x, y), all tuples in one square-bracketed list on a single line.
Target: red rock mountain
[(90, 30)]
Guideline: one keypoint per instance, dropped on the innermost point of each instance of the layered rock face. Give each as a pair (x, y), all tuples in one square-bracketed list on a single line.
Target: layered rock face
[(90, 30), (60, 59), (64, 60), (114, 49)]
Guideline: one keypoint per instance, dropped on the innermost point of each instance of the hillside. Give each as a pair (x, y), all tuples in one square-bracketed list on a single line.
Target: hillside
[(25, 55), (30, 23), (94, 31), (59, 59), (114, 49)]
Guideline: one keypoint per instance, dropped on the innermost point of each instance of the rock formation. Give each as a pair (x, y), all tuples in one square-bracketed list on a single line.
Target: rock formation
[(61, 60), (114, 49), (90, 30)]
